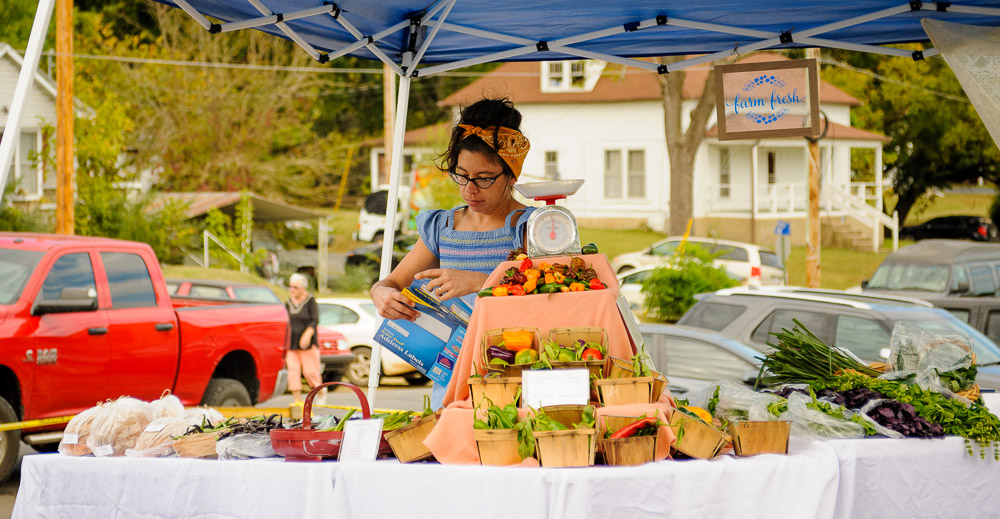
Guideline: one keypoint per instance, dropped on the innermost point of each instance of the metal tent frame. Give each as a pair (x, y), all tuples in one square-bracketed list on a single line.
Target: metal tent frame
[(423, 38)]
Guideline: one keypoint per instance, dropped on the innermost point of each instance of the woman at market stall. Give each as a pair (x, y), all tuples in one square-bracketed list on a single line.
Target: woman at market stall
[(459, 247), (302, 357)]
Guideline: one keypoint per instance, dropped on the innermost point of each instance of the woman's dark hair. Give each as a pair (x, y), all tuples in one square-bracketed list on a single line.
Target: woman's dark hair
[(484, 113)]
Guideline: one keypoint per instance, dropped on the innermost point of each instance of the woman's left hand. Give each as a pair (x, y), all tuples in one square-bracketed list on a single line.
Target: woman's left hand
[(449, 283)]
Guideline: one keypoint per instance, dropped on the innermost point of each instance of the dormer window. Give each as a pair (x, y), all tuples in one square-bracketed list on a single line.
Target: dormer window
[(570, 76)]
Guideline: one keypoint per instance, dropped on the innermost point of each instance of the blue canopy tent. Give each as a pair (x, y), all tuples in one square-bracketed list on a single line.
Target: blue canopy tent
[(422, 38)]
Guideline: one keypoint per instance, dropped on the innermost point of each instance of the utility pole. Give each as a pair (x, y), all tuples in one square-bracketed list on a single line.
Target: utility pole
[(64, 117), (813, 235), (388, 110)]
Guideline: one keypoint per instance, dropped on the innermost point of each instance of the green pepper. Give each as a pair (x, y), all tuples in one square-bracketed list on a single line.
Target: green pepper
[(548, 288), (590, 248), (485, 292)]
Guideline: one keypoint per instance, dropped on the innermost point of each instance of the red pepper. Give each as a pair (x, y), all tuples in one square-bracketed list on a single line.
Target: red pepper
[(515, 290), (595, 284), (633, 428), (525, 265), (591, 354)]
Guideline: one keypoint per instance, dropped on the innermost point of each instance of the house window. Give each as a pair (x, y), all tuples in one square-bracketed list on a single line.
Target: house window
[(552, 165), (617, 183), (23, 171), (771, 175), (570, 76), (724, 164)]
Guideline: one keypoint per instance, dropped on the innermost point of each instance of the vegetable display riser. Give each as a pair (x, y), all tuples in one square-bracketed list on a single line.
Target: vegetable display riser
[(750, 438), (494, 337), (568, 448), (625, 391), (407, 442), (499, 390), (694, 437), (634, 450), (497, 446)]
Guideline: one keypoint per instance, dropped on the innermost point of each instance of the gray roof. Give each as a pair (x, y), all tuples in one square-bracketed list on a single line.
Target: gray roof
[(945, 252)]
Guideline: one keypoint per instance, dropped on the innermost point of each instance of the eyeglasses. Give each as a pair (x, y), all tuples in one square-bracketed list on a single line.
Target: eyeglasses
[(481, 182)]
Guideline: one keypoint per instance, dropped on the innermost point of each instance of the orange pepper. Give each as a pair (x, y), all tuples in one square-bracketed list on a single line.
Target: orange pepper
[(545, 267), (532, 274), (530, 284), (577, 287), (500, 291), (559, 277), (518, 340), (550, 278)]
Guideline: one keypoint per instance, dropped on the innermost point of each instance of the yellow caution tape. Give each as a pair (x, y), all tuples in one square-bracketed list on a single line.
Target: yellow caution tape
[(14, 426), (348, 408)]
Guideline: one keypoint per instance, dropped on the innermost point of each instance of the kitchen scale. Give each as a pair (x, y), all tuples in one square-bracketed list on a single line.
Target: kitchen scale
[(552, 229)]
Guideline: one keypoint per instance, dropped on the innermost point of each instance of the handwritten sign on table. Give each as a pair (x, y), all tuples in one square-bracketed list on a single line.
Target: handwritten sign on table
[(361, 440), (555, 387)]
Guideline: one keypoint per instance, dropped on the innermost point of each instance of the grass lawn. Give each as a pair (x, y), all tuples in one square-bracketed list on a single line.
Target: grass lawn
[(976, 204)]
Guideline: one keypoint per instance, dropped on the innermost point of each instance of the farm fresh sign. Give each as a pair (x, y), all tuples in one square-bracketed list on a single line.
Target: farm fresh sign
[(766, 100)]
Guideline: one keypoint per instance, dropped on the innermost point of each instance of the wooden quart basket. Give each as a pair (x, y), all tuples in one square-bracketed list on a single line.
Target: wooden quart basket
[(407, 442), (751, 438), (500, 390), (624, 391), (493, 338), (635, 450), (568, 415), (569, 448), (619, 368), (567, 336), (694, 437), (200, 445), (497, 447)]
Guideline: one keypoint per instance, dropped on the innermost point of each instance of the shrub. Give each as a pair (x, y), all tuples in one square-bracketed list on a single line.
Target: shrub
[(670, 290), (995, 211)]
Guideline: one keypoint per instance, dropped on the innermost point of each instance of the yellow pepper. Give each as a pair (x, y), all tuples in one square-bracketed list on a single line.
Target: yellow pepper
[(577, 287), (532, 274), (530, 284), (499, 291), (545, 267), (550, 278), (564, 289), (518, 340)]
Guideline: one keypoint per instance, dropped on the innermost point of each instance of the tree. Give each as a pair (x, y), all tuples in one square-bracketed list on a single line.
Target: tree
[(937, 137), (682, 145)]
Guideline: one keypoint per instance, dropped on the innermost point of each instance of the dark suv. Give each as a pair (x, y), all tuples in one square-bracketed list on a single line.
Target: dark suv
[(859, 323), (939, 268), (974, 228)]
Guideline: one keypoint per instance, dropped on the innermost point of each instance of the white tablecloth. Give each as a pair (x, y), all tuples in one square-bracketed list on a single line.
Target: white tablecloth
[(802, 484)]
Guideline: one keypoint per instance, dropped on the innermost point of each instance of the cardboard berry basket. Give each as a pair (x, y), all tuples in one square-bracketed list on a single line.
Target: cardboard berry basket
[(624, 391), (634, 450), (751, 438), (695, 438), (407, 442), (307, 444), (497, 446), (493, 338), (566, 336), (568, 448), (499, 390)]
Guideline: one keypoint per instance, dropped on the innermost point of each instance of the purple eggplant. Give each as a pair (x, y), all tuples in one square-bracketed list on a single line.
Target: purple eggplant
[(496, 352)]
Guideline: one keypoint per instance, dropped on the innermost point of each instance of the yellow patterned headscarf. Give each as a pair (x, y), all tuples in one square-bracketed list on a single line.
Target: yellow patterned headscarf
[(512, 145)]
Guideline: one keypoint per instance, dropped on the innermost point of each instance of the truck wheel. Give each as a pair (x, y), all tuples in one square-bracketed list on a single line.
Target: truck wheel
[(358, 369), (226, 392), (10, 441)]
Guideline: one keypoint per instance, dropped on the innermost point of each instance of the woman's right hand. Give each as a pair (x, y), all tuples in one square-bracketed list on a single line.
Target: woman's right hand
[(392, 304)]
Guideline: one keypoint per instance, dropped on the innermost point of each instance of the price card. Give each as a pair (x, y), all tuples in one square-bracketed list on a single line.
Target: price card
[(361, 440), (71, 438), (155, 427), (104, 450), (555, 387)]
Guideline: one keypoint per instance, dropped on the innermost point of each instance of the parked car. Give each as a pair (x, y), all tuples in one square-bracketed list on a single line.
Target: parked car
[(358, 320), (371, 219), (630, 286), (860, 323), (335, 353), (752, 264), (370, 256), (692, 358), (226, 290), (88, 319), (976, 228), (939, 268)]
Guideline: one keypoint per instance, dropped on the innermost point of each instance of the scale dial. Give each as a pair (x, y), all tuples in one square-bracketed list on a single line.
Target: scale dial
[(552, 231)]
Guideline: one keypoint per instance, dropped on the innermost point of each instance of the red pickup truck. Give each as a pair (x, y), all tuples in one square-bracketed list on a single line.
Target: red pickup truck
[(86, 319)]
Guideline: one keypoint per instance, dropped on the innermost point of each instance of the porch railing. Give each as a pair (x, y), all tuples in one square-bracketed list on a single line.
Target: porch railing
[(860, 210)]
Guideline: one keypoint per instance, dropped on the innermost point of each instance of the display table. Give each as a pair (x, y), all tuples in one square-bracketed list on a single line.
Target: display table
[(803, 484)]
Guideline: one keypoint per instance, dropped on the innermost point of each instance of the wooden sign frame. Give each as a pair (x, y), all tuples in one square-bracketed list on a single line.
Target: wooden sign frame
[(812, 73)]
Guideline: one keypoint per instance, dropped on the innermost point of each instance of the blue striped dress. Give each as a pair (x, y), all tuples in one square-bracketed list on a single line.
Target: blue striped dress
[(468, 250)]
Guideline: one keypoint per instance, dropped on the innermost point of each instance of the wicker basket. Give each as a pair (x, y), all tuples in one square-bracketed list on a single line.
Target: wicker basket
[(407, 443), (500, 390), (497, 447), (569, 448), (694, 437), (624, 391), (493, 338), (751, 438), (635, 450)]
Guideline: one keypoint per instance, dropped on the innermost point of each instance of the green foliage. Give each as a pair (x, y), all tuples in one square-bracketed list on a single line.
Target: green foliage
[(440, 192), (103, 209), (17, 219), (670, 290), (356, 279), (234, 233)]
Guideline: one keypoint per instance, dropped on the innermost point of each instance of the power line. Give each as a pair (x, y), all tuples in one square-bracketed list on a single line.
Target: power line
[(904, 84)]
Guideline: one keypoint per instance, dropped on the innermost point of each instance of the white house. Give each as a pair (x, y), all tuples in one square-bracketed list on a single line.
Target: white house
[(605, 124)]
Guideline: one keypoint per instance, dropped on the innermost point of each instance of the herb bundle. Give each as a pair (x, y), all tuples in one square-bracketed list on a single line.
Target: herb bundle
[(800, 357)]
